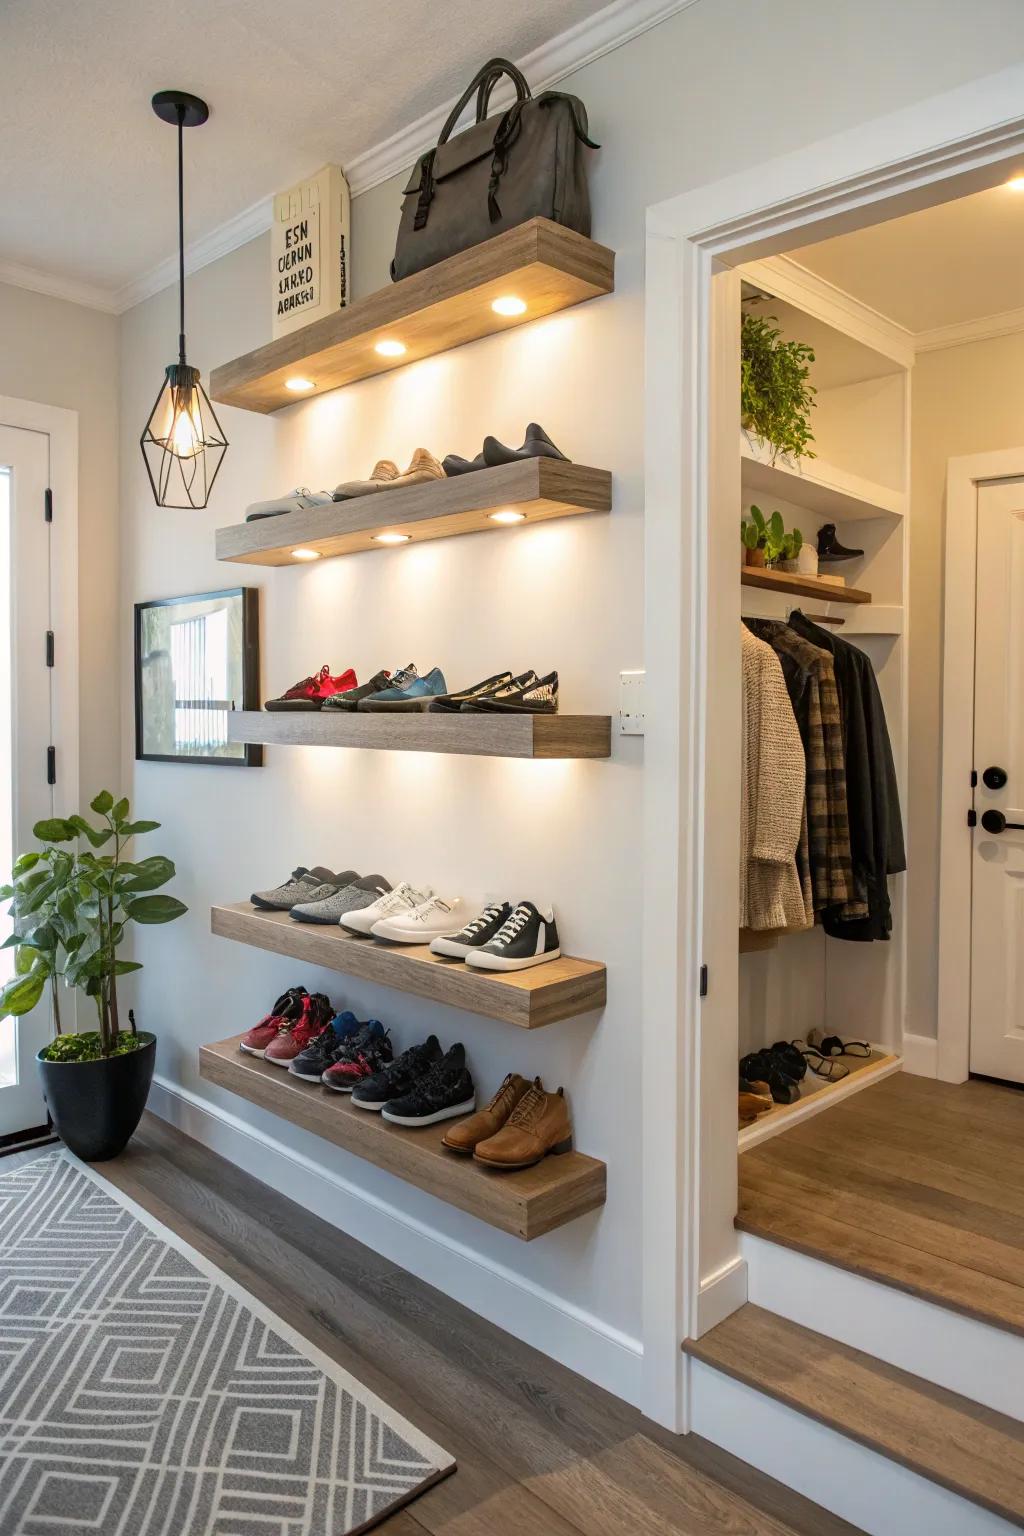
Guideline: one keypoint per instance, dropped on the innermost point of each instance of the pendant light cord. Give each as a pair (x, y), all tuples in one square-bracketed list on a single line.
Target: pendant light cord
[(181, 233)]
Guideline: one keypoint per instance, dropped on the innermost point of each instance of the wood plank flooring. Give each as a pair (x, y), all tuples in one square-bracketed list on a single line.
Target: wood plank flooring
[(916, 1183), (975, 1452), (540, 1451)]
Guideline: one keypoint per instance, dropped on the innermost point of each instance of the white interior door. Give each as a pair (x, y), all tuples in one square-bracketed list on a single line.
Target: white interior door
[(997, 896), (26, 796)]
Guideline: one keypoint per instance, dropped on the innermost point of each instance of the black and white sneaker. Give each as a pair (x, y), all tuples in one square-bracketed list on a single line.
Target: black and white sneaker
[(444, 1091), (528, 937), (399, 1077), (475, 934), (539, 697)]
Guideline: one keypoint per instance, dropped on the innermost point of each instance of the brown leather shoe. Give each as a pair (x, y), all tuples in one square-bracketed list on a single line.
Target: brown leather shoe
[(467, 1134), (539, 1124)]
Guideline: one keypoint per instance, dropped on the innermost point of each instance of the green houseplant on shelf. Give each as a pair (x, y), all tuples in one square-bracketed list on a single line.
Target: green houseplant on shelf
[(776, 395), (71, 907)]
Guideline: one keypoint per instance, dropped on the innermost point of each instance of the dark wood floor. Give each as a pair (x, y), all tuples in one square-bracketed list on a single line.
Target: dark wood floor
[(540, 1451), (914, 1182)]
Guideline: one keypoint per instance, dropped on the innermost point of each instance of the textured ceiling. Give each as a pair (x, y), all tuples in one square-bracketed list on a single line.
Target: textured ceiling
[(87, 187)]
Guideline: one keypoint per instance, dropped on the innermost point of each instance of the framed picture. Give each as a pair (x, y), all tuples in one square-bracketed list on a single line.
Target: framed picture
[(196, 659)]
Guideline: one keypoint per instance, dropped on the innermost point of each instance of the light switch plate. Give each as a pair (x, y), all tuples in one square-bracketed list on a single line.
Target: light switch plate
[(631, 703)]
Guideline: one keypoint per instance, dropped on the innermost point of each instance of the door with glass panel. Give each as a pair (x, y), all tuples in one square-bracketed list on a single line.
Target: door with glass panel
[(26, 794)]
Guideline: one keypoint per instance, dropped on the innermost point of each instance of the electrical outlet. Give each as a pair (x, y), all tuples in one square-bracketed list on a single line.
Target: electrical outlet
[(631, 703)]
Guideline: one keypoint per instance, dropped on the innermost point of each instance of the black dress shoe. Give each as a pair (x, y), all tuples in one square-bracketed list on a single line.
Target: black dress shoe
[(454, 465), (830, 550), (536, 445)]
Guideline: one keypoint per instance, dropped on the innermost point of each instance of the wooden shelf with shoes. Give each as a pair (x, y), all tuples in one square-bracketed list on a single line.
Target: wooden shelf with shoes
[(538, 264), (483, 501), (526, 1202), (817, 1094), (470, 735), (800, 586), (530, 999)]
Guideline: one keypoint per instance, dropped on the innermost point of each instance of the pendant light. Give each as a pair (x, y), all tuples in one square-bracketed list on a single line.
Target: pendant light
[(183, 443)]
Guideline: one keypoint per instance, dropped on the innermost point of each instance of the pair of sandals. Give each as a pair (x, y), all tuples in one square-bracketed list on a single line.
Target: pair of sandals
[(783, 1066)]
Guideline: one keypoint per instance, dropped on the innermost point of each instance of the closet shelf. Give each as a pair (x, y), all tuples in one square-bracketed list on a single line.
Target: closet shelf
[(472, 735), (538, 488), (818, 1095), (526, 1203), (558, 989), (800, 586), (833, 494), (547, 266)]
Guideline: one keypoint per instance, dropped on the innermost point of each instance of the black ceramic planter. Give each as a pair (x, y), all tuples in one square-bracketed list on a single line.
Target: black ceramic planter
[(96, 1105)]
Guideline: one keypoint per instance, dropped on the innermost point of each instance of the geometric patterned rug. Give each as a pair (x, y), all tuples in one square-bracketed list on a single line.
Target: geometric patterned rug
[(143, 1393)]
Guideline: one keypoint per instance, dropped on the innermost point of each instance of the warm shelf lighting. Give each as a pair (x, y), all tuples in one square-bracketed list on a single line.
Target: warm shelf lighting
[(391, 538), (509, 515), (299, 386), (509, 305), (305, 554), (1016, 183), (390, 348)]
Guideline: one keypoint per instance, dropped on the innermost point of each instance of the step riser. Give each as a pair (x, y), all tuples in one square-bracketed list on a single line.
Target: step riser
[(879, 1496), (975, 1359)]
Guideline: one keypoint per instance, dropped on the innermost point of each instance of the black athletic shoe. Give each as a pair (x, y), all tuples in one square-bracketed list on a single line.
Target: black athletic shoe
[(444, 1091), (451, 703), (537, 698), (362, 1054), (475, 934), (830, 551), (400, 1077), (350, 698), (528, 937), (311, 1064)]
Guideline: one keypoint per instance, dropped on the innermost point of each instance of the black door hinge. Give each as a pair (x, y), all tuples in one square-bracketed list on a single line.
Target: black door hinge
[(51, 765), (48, 505), (974, 778), (972, 818), (703, 981), (49, 647)]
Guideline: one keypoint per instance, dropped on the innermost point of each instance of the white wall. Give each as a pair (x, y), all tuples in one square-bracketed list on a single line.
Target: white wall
[(684, 104)]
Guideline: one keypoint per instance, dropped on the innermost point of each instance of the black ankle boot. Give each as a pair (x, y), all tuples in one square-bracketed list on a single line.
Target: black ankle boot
[(829, 548)]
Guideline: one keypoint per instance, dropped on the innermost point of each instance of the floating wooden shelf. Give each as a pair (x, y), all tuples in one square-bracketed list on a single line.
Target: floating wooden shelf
[(545, 265), (816, 1095), (539, 488), (800, 586), (834, 494), (559, 989), (473, 735), (526, 1203)]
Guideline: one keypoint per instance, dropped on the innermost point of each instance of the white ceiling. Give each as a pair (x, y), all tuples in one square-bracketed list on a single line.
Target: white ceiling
[(88, 182), (958, 262)]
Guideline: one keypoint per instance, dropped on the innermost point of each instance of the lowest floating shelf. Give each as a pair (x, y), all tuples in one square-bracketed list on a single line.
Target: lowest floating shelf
[(545, 266), (558, 989), (526, 1203), (800, 586), (470, 735), (538, 488)]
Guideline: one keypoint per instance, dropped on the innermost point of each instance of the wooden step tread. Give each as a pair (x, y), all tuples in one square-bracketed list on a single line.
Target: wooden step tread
[(973, 1451), (526, 1203), (558, 989), (472, 735)]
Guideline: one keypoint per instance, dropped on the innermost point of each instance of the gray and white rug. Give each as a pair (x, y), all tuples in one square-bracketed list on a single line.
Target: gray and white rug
[(143, 1393)]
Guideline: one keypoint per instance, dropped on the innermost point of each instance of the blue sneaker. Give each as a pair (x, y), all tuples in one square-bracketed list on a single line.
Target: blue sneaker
[(311, 1063), (416, 695)]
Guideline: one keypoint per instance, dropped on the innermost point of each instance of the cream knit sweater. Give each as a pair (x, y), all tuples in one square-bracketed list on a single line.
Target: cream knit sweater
[(772, 803)]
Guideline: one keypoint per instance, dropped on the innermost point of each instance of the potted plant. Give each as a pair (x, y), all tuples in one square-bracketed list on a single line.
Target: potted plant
[(776, 396), (799, 557), (753, 538), (71, 908), (768, 536)]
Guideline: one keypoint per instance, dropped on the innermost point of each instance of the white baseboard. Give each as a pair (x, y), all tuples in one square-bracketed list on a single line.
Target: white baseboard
[(975, 1359), (721, 1294), (875, 1494), (575, 1338), (921, 1055)]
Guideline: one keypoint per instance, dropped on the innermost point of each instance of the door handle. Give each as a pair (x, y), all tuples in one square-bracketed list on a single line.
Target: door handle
[(995, 821), (994, 778)]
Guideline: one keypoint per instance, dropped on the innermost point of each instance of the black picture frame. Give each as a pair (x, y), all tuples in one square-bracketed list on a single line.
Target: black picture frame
[(248, 754)]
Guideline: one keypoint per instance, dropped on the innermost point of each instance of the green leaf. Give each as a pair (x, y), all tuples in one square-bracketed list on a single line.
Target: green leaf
[(147, 875), (25, 959), (25, 862), (96, 835), (123, 967), (21, 994), (53, 830), (154, 909), (102, 803), (120, 810), (134, 828)]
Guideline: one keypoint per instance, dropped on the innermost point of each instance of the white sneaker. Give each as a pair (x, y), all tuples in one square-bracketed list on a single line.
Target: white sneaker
[(435, 918), (403, 898)]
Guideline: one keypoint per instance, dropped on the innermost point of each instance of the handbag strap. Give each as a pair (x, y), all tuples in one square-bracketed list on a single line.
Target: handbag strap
[(483, 82)]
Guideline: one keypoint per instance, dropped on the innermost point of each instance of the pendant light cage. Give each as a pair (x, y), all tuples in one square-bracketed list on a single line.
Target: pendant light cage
[(183, 443)]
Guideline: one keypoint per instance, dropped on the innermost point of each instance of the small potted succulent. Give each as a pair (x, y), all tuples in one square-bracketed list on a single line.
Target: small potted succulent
[(763, 538), (753, 539), (798, 557), (71, 908)]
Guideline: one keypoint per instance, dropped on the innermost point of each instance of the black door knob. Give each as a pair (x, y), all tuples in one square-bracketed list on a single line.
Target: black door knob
[(995, 821), (994, 778)]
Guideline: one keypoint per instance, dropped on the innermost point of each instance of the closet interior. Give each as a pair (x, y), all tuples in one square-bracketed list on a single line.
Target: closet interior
[(796, 978)]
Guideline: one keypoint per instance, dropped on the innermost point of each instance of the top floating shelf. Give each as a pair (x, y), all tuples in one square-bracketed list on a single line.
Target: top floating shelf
[(832, 493), (546, 266)]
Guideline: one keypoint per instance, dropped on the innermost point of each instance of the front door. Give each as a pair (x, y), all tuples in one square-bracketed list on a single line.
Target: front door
[(25, 731), (997, 919)]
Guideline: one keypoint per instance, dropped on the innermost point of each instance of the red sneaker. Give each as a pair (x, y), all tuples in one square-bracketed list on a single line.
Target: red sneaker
[(312, 691), (317, 1013), (288, 1008)]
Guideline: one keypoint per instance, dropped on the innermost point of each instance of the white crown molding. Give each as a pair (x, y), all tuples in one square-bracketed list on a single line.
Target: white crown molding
[(984, 328), (601, 33), (796, 284)]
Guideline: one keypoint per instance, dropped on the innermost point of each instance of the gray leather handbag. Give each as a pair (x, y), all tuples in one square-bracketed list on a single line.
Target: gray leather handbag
[(505, 169)]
